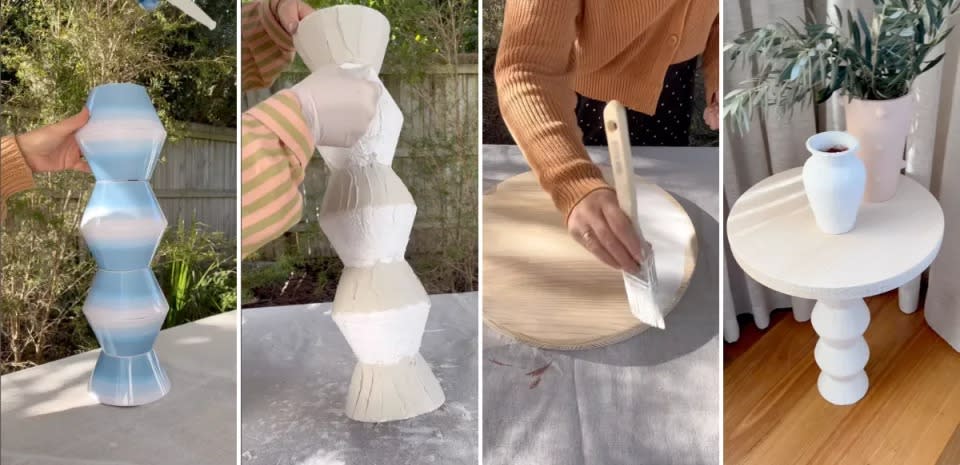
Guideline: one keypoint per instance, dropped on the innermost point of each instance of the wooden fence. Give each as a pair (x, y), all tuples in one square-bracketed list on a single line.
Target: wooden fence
[(437, 160), (197, 178)]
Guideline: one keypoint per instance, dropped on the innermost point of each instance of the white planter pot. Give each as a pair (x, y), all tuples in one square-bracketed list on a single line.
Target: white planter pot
[(834, 182), (882, 127)]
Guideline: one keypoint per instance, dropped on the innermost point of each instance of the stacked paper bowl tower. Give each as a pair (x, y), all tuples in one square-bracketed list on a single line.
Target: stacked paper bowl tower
[(122, 226), (380, 305)]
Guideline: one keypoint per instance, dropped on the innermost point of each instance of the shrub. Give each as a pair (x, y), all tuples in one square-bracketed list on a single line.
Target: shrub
[(46, 272), (197, 272)]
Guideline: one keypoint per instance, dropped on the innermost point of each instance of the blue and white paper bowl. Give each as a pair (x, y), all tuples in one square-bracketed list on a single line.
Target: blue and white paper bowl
[(126, 310), (128, 381), (122, 225), (123, 139)]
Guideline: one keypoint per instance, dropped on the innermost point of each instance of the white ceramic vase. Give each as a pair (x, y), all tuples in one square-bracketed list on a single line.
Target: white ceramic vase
[(882, 126), (834, 181)]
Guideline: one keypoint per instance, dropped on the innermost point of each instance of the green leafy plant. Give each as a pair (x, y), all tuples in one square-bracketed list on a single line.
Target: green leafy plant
[(196, 272), (870, 60)]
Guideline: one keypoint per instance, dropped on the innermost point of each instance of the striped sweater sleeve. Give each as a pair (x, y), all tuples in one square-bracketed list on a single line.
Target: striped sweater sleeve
[(275, 150), (266, 47), (534, 75), (15, 175)]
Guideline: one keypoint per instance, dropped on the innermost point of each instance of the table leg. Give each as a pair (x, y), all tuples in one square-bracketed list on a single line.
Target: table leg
[(841, 352), (802, 308), (909, 295)]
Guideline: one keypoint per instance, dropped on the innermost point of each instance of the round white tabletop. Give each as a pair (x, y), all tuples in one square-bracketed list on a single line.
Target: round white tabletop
[(774, 238)]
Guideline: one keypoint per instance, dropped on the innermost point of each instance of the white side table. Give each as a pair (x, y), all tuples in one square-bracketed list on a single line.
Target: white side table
[(773, 237)]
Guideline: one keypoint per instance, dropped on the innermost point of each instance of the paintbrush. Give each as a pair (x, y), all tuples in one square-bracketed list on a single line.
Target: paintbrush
[(641, 287)]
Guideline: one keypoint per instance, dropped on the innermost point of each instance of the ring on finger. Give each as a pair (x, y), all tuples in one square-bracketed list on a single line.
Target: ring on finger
[(589, 237)]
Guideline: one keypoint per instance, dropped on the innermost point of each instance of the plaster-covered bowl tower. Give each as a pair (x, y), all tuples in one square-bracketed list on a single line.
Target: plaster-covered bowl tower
[(367, 214), (122, 226)]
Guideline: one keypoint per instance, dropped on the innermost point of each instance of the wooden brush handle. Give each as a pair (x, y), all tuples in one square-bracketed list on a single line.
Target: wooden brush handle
[(618, 143)]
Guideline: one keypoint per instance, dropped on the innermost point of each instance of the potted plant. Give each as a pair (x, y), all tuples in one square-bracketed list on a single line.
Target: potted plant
[(873, 63)]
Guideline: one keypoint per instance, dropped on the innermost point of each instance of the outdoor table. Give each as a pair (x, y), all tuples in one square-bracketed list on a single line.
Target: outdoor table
[(652, 399), (296, 370), (48, 418), (774, 238)]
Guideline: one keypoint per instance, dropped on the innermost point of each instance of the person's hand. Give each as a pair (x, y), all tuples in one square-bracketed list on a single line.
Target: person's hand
[(338, 104), (54, 147), (711, 115), (290, 12), (600, 226)]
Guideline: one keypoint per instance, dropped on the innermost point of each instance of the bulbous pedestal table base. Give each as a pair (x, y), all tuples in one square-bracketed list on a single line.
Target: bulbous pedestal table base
[(841, 352), (128, 381)]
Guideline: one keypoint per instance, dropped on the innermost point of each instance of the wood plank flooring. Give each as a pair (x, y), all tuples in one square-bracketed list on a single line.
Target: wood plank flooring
[(773, 413)]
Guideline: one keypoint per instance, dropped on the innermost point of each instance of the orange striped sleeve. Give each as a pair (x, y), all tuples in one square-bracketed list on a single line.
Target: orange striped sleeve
[(15, 175), (275, 151), (266, 47)]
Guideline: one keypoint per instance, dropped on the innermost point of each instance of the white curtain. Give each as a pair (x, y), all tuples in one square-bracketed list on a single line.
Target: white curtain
[(774, 145)]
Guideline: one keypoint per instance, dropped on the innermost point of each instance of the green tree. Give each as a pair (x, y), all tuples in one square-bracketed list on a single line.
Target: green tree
[(53, 52)]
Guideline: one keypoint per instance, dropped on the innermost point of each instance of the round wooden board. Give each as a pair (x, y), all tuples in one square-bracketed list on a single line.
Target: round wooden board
[(544, 289)]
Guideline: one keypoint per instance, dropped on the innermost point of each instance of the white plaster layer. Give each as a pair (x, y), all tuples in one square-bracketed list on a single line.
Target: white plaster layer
[(358, 186), (403, 390), (378, 144), (367, 214), (379, 287), (343, 34), (384, 337), (367, 236)]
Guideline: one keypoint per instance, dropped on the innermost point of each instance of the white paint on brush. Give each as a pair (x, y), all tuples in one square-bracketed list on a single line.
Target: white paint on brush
[(385, 337)]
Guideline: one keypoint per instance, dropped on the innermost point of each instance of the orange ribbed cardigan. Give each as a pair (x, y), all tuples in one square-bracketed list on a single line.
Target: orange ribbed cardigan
[(603, 49), (15, 174)]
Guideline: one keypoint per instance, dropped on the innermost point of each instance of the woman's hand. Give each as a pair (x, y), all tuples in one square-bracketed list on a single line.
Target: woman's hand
[(290, 12), (711, 115), (600, 226), (54, 147)]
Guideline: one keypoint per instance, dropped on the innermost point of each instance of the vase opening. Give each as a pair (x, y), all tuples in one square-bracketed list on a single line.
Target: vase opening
[(832, 143)]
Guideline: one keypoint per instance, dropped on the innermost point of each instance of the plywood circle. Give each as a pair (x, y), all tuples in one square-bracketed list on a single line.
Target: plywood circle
[(544, 289)]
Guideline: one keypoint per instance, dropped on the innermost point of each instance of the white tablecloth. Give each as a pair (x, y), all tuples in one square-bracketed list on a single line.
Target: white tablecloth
[(49, 419), (653, 399), (296, 370)]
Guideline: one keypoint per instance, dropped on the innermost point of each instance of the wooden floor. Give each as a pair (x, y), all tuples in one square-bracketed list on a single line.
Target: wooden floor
[(773, 413)]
